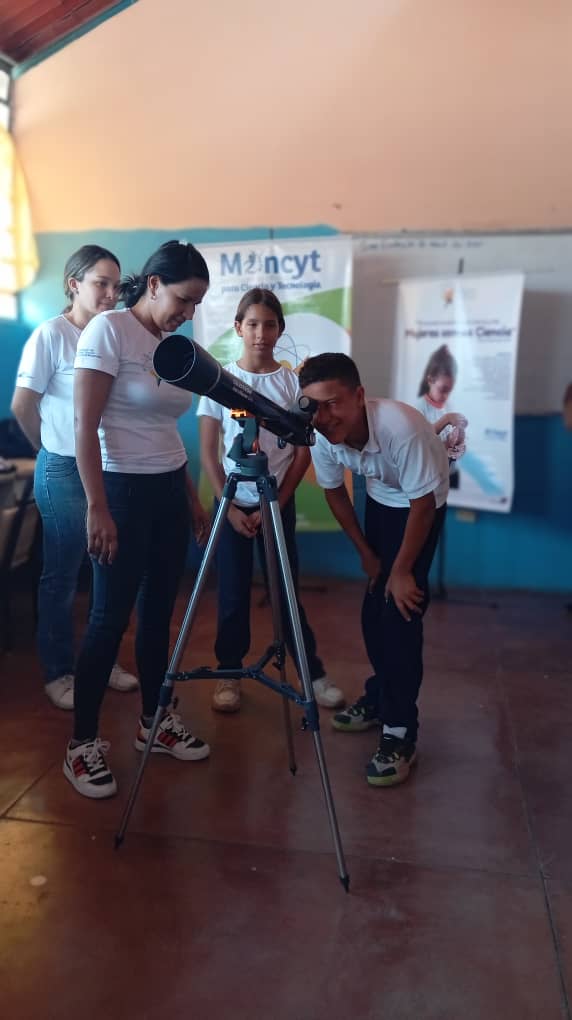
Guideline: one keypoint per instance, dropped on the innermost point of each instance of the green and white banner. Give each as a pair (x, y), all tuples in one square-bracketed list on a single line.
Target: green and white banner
[(312, 278)]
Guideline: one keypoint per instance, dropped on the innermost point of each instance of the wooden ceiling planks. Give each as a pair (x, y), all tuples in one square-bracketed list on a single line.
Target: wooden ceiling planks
[(29, 26)]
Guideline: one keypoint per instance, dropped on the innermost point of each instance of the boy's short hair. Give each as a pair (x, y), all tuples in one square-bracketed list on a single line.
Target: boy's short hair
[(325, 367), (567, 394)]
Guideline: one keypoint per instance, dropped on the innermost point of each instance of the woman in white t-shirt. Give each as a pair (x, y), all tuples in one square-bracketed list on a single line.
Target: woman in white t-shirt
[(259, 322), (140, 501), (43, 406)]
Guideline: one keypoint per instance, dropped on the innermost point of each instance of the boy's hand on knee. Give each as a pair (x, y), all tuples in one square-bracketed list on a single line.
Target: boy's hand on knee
[(402, 587), (371, 565)]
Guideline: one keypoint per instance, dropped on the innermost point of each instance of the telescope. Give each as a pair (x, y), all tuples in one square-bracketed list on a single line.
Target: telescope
[(183, 363)]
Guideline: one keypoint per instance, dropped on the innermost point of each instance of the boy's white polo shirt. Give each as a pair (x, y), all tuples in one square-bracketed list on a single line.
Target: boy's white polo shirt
[(402, 460)]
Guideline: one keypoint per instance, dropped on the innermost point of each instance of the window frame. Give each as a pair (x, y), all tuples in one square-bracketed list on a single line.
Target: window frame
[(9, 307), (6, 104)]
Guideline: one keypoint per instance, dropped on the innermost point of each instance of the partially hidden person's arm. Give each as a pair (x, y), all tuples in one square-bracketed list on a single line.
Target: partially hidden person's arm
[(340, 504), (25, 407), (200, 517), (91, 393), (210, 436), (450, 418), (401, 584), (567, 407), (209, 430), (294, 475)]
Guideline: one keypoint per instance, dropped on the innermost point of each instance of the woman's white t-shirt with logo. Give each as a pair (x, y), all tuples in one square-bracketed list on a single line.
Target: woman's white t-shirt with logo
[(281, 386), (138, 430), (46, 366)]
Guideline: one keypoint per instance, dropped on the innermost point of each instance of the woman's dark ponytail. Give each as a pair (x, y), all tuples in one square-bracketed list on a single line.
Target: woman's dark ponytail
[(173, 262)]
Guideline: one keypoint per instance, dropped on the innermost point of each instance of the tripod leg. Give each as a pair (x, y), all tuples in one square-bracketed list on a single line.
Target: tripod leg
[(166, 692), (302, 664), (274, 594), (206, 561), (120, 834)]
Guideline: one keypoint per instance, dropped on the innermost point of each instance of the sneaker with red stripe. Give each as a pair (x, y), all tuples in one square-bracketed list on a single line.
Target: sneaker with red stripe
[(86, 769), (172, 738)]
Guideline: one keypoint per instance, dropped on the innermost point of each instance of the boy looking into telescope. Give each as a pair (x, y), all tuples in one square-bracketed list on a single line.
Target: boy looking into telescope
[(407, 481)]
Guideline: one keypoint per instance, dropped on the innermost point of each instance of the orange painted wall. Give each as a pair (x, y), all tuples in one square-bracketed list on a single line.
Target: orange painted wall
[(372, 115)]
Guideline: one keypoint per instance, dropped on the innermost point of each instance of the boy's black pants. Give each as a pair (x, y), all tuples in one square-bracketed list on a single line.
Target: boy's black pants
[(395, 646)]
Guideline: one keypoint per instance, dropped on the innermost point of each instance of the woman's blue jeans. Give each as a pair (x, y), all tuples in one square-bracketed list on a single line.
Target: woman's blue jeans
[(61, 502)]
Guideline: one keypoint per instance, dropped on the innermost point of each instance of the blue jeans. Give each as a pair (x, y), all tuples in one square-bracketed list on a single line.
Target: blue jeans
[(152, 515), (61, 502), (234, 564)]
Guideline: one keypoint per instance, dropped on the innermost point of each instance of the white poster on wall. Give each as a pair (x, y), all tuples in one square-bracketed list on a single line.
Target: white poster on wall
[(312, 277), (455, 357)]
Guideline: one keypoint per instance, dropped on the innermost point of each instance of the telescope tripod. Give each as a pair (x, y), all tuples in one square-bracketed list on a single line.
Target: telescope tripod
[(253, 467)]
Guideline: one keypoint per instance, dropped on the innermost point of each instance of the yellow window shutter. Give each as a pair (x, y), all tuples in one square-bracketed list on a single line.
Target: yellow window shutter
[(18, 253)]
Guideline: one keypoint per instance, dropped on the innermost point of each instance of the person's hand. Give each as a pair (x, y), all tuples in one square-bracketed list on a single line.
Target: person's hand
[(457, 451), (201, 522), (454, 439), (457, 420), (243, 523), (402, 587), (101, 536), (255, 521), (371, 566), (455, 443)]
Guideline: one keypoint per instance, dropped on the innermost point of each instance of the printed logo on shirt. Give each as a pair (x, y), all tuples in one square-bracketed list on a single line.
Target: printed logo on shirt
[(147, 366)]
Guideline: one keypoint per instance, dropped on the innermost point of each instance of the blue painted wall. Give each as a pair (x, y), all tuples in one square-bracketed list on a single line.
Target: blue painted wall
[(530, 548), (12, 338)]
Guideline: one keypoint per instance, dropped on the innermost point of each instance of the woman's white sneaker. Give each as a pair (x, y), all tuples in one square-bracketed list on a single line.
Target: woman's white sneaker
[(60, 692), (327, 694), (121, 680), (87, 770), (172, 738)]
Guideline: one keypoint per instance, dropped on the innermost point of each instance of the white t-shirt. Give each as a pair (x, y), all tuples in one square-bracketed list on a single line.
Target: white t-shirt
[(138, 431), (429, 411), (402, 460), (46, 366), (282, 387), (433, 415)]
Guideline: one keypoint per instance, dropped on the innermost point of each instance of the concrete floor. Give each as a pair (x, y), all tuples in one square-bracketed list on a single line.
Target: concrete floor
[(224, 901)]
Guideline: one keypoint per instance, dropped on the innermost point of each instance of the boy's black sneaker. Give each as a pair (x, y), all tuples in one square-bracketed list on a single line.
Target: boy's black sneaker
[(358, 717), (391, 762)]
